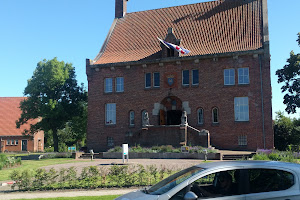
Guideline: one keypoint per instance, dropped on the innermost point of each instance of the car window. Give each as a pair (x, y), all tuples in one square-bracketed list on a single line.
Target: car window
[(174, 180), (225, 183), (266, 180)]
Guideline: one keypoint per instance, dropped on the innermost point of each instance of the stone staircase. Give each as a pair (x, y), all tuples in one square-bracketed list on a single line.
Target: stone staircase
[(238, 156)]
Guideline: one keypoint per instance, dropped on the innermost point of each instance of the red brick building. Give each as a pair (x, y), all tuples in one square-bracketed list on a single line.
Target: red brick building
[(11, 137), (223, 84)]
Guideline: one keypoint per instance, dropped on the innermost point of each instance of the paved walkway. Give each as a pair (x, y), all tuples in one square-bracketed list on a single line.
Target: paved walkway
[(67, 193)]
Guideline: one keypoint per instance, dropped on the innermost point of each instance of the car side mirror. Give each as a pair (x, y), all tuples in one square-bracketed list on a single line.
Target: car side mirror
[(190, 196)]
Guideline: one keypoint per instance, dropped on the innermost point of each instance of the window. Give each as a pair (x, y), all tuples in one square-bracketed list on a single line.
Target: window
[(200, 116), (110, 142), (156, 79), (131, 118), (267, 180), (12, 142), (243, 75), (215, 185), (215, 115), (108, 85), (7, 142), (195, 80), (241, 109), (242, 140), (110, 113), (229, 78), (119, 84), (185, 77), (147, 80), (17, 142)]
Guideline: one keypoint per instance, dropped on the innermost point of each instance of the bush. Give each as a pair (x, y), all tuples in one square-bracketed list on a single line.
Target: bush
[(8, 161), (90, 177), (285, 156)]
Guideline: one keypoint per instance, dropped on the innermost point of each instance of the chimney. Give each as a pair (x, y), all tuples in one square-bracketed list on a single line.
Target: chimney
[(121, 8)]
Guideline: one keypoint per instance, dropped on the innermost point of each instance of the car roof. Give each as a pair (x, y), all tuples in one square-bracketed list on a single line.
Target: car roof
[(249, 163)]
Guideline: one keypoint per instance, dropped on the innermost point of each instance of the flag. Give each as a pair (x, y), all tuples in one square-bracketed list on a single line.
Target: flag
[(175, 47)]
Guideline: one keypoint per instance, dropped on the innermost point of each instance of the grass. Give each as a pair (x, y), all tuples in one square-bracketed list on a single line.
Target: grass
[(108, 197), (35, 164)]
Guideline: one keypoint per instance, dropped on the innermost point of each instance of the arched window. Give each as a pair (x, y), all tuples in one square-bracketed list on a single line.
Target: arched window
[(215, 115), (131, 118), (200, 116)]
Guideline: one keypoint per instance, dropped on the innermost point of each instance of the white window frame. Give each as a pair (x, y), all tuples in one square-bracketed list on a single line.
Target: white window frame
[(185, 84), (108, 85), (200, 119), (120, 84), (147, 86), (154, 75), (241, 109), (131, 118), (243, 76), (230, 78), (193, 81), (110, 113), (213, 115)]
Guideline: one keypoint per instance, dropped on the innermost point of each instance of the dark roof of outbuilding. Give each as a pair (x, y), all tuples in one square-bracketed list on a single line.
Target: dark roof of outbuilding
[(204, 28)]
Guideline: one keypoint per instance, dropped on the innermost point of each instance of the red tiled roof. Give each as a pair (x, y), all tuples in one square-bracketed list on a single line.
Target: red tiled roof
[(204, 28), (9, 113)]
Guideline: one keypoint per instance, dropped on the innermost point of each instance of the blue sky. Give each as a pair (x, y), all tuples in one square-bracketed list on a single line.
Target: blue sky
[(73, 30)]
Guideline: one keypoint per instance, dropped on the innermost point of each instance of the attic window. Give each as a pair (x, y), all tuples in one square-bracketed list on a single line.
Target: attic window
[(170, 52)]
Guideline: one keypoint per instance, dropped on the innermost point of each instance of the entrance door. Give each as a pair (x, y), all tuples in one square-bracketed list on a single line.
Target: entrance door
[(24, 145), (174, 117)]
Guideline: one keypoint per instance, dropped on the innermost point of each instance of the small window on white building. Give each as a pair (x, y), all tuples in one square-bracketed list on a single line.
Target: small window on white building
[(243, 75), (229, 78), (241, 109), (108, 84), (110, 113), (119, 84)]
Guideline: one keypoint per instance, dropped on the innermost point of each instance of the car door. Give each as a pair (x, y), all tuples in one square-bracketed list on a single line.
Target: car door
[(272, 184), (210, 187)]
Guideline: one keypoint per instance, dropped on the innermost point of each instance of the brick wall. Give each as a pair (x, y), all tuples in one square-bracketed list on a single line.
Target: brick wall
[(210, 93)]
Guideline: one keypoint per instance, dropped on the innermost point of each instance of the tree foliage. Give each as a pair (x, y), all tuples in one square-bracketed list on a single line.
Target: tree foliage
[(53, 96), (286, 131), (290, 76)]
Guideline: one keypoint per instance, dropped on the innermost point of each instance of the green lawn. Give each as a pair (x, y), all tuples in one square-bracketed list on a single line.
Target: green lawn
[(34, 164), (109, 197)]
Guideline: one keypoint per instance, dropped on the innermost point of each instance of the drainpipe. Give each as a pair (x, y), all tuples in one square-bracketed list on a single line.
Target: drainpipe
[(262, 101)]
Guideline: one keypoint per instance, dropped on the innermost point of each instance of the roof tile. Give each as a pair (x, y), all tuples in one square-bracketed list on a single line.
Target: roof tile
[(204, 28)]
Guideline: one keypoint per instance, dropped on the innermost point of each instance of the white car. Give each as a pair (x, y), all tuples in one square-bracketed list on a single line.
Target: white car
[(243, 180)]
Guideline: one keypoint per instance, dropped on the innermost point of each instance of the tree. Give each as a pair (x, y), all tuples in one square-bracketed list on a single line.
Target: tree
[(290, 75), (53, 96), (286, 131)]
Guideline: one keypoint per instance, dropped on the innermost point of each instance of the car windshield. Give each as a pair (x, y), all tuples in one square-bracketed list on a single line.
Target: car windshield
[(172, 181)]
